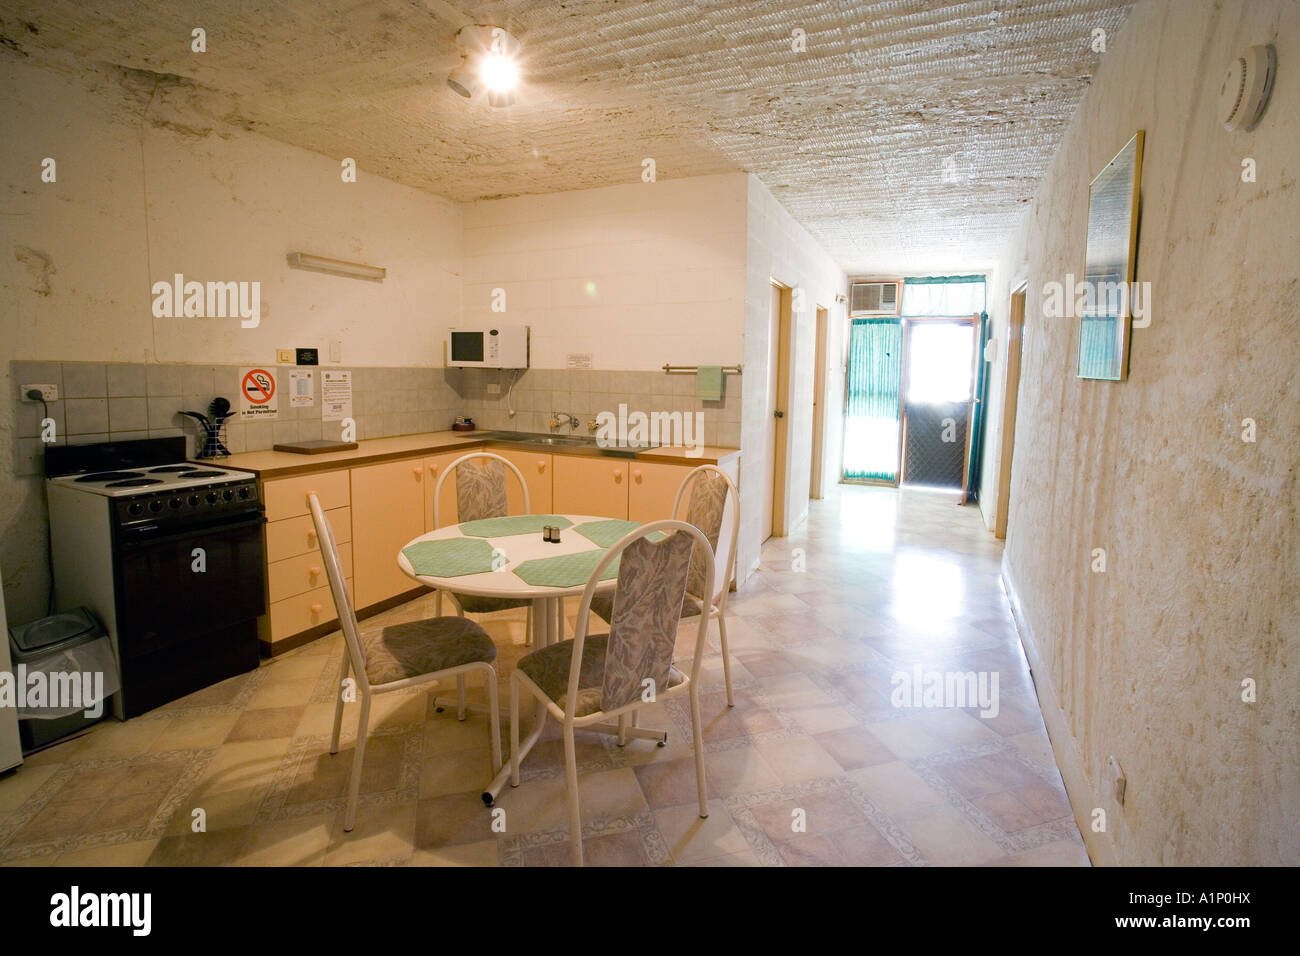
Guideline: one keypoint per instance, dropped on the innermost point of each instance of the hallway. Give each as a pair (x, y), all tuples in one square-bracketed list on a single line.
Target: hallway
[(892, 580)]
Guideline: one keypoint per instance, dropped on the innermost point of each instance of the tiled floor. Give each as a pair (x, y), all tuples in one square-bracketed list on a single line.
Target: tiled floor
[(813, 766)]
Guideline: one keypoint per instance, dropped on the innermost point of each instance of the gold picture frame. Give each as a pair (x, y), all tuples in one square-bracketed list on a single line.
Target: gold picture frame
[(1110, 266)]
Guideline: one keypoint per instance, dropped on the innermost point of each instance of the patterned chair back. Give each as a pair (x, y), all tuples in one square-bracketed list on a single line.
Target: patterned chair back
[(338, 588), (713, 505), (481, 490)]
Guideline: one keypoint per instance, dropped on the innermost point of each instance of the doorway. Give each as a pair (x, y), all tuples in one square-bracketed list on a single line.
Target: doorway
[(777, 401), (938, 401), (1010, 397), (819, 405)]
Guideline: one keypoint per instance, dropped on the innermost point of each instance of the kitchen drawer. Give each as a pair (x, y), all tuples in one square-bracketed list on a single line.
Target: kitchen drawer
[(287, 497), (294, 536), (303, 612), (536, 470), (591, 486), (305, 572)]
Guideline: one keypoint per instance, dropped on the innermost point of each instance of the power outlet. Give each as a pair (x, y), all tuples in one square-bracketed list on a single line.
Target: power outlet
[(49, 393), (493, 388)]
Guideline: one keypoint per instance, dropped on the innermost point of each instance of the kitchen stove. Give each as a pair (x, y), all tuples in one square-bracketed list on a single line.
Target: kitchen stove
[(169, 554)]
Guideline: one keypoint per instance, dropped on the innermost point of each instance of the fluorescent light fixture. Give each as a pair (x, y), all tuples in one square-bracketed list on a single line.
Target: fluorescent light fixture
[(490, 61), (338, 267)]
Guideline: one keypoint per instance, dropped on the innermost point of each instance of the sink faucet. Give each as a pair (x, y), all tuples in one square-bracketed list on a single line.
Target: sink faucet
[(563, 418)]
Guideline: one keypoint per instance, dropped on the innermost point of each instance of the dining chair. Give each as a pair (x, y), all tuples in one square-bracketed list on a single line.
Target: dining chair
[(397, 657), (481, 492), (714, 504), (585, 681)]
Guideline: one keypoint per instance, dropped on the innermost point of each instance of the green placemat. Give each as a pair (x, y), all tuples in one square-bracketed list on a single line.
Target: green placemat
[(606, 533), (565, 570), (450, 557), (516, 524)]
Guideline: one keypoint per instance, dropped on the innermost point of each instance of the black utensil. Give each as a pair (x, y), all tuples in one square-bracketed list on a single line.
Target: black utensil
[(198, 417), (219, 409)]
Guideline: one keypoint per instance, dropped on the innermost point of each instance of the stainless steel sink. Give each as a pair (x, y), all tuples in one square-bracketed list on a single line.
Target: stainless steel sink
[(533, 439)]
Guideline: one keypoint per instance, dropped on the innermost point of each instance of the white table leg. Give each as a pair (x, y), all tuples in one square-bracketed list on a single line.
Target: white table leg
[(499, 782)]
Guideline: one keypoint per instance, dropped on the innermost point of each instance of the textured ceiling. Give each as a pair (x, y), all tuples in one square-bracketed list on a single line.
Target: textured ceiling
[(906, 137)]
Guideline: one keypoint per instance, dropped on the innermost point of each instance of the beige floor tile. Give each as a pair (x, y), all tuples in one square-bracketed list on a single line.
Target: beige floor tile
[(18, 786), (1060, 853), (946, 838), (692, 839), (797, 758), (302, 841), (383, 831), (121, 854), (907, 738), (740, 771), (282, 693), (199, 731), (895, 787), (453, 772), (482, 853)]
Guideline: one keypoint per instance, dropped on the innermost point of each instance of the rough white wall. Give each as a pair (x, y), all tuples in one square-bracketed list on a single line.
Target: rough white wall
[(777, 247), (636, 275), (1146, 660), (148, 187)]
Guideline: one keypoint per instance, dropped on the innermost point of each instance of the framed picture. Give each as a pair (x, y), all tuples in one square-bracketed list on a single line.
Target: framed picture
[(1110, 266)]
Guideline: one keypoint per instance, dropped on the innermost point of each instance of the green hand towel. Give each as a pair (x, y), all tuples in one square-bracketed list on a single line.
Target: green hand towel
[(708, 383)]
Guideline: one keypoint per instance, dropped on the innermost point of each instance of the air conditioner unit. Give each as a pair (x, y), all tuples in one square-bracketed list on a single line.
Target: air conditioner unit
[(873, 298)]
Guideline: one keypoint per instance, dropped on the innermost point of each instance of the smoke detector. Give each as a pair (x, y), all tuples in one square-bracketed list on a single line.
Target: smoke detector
[(1246, 88), (489, 61)]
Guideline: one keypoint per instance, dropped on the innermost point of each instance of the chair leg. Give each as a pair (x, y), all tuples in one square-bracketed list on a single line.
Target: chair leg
[(338, 702), (437, 604), (622, 729), (528, 628), (354, 779), (559, 619), (726, 658), (697, 732), (514, 731), (460, 696), (571, 776), (494, 716)]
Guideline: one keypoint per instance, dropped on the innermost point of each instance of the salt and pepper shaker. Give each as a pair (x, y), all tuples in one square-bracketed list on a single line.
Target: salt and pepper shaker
[(551, 534)]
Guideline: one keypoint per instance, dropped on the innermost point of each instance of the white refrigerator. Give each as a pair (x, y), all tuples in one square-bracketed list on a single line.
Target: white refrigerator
[(11, 751)]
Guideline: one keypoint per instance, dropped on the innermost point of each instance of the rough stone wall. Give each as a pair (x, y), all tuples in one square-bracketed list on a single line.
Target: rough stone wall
[(1146, 660)]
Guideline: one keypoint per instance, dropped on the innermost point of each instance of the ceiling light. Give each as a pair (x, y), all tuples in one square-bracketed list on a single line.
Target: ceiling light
[(464, 81), (338, 267), (499, 72)]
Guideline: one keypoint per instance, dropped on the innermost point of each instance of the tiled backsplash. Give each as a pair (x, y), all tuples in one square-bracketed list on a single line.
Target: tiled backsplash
[(102, 402)]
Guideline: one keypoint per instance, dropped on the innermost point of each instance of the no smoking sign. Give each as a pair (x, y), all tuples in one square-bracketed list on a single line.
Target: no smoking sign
[(258, 395)]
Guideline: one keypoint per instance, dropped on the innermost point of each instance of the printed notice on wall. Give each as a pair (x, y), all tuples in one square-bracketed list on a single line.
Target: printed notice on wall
[(335, 395), (302, 387), (259, 399)]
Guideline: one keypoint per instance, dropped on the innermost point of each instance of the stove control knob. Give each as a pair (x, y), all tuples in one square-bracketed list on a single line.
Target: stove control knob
[(194, 501), (211, 497), (176, 503), (135, 508), (227, 495), (245, 492), (156, 505)]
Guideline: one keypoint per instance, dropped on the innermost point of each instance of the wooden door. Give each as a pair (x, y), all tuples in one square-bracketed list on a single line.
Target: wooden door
[(819, 405), (387, 511), (537, 470), (653, 490), (774, 465), (591, 486)]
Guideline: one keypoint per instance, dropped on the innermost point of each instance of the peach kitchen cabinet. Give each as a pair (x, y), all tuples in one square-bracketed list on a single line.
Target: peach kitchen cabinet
[(387, 512), (298, 595), (591, 486), (537, 471), (434, 465), (652, 490)]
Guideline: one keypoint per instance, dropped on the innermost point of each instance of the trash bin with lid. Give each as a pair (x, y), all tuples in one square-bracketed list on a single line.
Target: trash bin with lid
[(64, 673)]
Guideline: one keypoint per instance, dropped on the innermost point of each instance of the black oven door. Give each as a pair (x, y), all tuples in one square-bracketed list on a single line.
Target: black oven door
[(187, 607)]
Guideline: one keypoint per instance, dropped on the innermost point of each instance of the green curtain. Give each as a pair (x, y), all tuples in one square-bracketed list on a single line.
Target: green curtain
[(871, 415)]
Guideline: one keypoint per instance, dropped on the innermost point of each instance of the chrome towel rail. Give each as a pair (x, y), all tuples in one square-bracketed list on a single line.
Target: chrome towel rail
[(691, 369)]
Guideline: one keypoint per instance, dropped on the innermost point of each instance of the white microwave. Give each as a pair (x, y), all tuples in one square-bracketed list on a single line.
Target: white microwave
[(501, 347)]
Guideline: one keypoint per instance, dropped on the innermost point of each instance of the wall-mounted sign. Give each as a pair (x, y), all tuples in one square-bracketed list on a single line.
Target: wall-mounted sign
[(258, 396), (335, 394), (577, 360), (306, 357), (302, 387)]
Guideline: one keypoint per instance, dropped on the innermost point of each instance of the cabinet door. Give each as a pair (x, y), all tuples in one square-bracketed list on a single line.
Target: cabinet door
[(434, 466), (387, 512), (591, 486), (652, 490), (537, 476)]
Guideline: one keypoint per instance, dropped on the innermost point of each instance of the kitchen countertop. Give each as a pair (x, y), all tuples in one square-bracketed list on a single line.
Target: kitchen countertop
[(280, 464)]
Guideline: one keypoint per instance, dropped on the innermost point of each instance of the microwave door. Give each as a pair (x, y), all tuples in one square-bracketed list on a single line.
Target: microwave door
[(467, 346)]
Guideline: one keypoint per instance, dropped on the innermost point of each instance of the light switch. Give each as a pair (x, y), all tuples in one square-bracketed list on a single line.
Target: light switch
[(336, 351)]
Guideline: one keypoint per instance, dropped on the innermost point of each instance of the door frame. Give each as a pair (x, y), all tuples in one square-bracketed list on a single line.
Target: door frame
[(1010, 403), (817, 471), (781, 451)]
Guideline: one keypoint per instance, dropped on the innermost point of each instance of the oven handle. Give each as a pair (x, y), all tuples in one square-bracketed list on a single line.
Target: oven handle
[(143, 535)]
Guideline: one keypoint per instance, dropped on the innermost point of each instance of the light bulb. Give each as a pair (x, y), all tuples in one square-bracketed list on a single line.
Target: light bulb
[(499, 72)]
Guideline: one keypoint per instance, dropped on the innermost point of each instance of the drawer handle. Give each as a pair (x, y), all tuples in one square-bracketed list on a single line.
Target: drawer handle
[(311, 535), (636, 473), (315, 609), (618, 474), (314, 572), (541, 464), (417, 473), (433, 469)]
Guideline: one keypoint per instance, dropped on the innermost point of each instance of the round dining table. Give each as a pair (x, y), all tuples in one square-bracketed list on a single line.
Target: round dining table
[(509, 551)]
